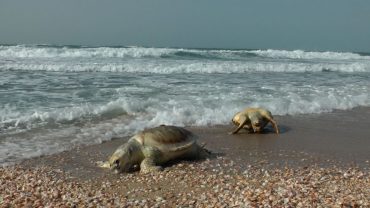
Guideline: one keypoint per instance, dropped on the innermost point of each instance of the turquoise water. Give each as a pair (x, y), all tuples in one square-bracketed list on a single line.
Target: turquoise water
[(55, 97)]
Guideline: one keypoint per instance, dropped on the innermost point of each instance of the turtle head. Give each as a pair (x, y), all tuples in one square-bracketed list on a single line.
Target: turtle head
[(120, 161), (257, 126), (234, 122)]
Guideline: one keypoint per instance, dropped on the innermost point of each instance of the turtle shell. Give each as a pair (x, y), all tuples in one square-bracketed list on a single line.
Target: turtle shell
[(166, 138)]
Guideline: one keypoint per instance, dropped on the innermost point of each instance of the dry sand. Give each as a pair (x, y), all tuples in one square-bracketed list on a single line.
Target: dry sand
[(317, 161)]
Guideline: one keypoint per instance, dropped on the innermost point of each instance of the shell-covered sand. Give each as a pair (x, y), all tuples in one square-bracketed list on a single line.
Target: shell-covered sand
[(209, 183)]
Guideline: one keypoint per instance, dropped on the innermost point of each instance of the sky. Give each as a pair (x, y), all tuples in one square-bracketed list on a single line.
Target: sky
[(314, 25)]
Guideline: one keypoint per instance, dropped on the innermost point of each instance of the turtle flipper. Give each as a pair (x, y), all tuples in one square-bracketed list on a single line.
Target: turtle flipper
[(242, 121), (200, 152), (102, 164), (148, 165)]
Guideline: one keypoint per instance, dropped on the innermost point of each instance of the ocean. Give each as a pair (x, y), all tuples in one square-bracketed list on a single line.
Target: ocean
[(54, 98)]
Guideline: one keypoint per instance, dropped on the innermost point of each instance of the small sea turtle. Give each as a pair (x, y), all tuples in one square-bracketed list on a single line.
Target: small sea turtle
[(254, 120), (153, 147)]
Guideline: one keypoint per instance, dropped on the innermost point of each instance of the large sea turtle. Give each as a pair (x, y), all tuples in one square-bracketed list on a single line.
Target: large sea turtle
[(254, 120), (154, 147)]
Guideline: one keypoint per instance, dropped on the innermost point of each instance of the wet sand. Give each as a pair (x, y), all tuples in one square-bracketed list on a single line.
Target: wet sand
[(340, 138), (331, 150), (337, 138)]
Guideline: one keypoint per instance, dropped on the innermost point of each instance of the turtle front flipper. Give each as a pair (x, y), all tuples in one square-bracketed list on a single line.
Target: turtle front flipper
[(102, 164), (151, 157), (148, 165), (242, 121)]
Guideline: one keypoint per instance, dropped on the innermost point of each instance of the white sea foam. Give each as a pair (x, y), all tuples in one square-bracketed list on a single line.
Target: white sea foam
[(190, 67), (299, 54), (65, 52)]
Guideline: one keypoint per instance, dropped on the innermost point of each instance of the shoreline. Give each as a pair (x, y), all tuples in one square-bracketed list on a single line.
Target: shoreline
[(313, 158)]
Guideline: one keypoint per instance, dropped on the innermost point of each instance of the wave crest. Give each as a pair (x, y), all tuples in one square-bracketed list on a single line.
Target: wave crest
[(24, 51), (189, 67)]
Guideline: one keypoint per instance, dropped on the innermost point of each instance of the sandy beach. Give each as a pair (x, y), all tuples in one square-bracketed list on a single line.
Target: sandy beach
[(318, 160), (86, 83)]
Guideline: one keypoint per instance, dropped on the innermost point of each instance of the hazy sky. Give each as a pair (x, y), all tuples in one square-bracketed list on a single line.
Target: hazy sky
[(339, 25)]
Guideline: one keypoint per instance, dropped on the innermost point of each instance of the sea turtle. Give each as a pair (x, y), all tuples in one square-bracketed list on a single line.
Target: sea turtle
[(153, 147), (254, 120)]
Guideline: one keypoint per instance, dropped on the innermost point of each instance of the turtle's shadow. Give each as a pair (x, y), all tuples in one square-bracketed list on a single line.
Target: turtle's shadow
[(269, 130), (211, 156), (283, 129)]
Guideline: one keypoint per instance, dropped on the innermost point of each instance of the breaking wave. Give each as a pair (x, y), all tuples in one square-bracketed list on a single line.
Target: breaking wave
[(40, 51), (188, 67), (171, 60)]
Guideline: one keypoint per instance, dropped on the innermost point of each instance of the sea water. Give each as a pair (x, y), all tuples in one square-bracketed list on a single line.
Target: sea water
[(53, 98)]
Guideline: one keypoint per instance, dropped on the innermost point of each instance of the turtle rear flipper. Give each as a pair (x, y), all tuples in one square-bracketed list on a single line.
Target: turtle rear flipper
[(178, 148), (203, 152)]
